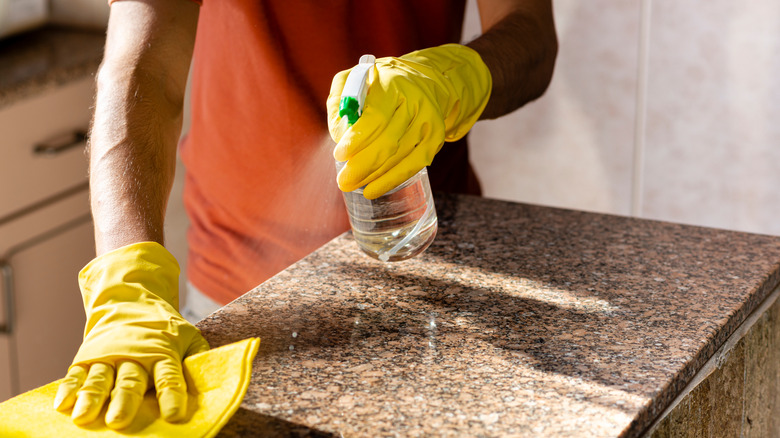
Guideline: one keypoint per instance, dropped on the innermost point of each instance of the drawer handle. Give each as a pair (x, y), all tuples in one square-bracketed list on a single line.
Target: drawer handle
[(61, 144), (7, 272)]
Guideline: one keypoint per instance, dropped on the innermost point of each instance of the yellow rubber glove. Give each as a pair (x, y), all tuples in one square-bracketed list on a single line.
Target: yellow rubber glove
[(414, 104), (134, 331)]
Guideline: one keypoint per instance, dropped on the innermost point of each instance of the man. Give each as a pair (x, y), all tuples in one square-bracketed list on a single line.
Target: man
[(260, 187)]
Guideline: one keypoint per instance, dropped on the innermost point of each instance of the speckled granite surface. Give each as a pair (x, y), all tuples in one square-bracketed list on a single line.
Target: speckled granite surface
[(518, 321), (35, 61)]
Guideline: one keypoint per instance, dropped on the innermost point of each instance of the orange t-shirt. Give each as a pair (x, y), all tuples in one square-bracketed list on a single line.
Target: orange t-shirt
[(260, 187)]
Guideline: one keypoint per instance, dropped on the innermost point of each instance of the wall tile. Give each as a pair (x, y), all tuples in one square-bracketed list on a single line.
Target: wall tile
[(714, 407), (738, 398), (573, 147), (713, 137), (761, 367), (727, 389)]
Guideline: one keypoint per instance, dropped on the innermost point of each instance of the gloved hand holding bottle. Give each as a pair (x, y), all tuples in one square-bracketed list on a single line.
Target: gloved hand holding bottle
[(414, 104), (134, 337)]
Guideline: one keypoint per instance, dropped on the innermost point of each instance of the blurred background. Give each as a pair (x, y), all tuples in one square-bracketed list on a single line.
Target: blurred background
[(659, 109)]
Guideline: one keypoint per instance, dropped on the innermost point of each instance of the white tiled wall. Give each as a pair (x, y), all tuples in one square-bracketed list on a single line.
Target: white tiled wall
[(681, 121), (713, 114)]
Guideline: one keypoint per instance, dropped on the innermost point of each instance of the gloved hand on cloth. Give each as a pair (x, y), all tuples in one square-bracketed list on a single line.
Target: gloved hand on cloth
[(134, 337), (414, 104)]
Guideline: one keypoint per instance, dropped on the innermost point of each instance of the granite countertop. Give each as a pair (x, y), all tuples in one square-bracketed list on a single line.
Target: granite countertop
[(519, 320), (35, 61)]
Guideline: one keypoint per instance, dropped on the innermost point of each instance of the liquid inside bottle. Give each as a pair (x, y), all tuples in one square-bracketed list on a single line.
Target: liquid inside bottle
[(399, 224)]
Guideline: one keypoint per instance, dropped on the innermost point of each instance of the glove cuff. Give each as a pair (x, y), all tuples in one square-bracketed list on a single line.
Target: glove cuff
[(146, 267), (468, 83)]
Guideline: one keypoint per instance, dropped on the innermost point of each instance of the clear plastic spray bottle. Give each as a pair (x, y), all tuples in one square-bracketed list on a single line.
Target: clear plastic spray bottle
[(401, 223)]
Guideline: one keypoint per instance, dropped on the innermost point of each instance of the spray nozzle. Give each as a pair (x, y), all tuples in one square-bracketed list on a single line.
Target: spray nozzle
[(350, 108), (353, 96)]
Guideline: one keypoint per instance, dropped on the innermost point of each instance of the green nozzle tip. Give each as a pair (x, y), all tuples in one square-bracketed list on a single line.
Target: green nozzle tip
[(349, 107)]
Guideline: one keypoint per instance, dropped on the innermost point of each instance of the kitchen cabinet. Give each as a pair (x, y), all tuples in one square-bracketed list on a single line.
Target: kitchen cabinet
[(83, 13), (19, 15), (45, 234)]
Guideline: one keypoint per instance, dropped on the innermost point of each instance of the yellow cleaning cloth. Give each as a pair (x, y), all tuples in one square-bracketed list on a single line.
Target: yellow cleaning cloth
[(217, 381)]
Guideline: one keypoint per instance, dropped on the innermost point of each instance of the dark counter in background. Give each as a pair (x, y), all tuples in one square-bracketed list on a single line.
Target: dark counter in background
[(519, 320), (38, 60)]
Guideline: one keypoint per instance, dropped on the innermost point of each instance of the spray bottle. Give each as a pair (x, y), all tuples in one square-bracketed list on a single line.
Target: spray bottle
[(401, 223)]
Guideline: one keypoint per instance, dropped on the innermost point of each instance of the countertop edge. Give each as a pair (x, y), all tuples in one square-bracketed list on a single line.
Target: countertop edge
[(688, 374)]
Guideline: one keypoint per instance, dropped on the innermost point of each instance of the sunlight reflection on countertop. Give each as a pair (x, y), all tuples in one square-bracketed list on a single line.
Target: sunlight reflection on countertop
[(518, 320)]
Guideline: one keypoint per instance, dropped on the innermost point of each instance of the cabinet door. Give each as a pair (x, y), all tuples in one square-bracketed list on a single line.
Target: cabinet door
[(7, 360), (50, 317), (6, 378), (41, 253)]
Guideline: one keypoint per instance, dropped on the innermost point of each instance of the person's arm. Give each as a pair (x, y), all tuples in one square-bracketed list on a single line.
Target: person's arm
[(519, 46), (134, 337), (419, 101), (138, 117)]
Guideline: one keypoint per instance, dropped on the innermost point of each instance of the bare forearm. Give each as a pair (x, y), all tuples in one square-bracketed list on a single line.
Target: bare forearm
[(132, 160), (519, 48), (137, 123)]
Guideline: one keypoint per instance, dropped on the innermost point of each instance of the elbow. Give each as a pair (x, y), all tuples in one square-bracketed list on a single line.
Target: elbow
[(528, 78), (140, 85), (138, 110), (545, 68), (543, 57)]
